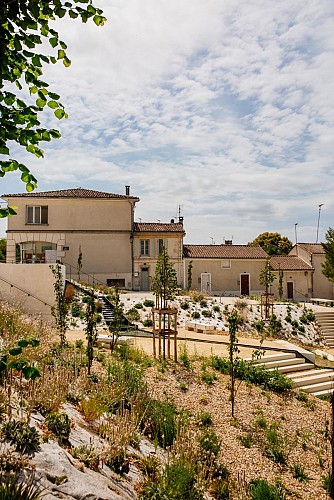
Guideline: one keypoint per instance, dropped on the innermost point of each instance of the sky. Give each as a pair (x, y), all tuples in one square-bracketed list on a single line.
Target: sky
[(222, 109)]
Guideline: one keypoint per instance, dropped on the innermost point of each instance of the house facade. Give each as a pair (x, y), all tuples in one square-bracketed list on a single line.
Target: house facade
[(224, 269), (149, 240), (296, 277)]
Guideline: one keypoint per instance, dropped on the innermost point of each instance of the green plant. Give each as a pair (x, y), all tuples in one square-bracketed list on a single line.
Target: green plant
[(260, 489), (196, 315), (118, 462), (216, 308), (60, 425), (60, 310), (139, 305), (90, 330), (10, 462), (148, 303), (159, 422), (206, 313), (277, 445), (326, 482), (20, 434), (246, 440), (147, 322), (133, 314), (76, 310), (184, 305), (209, 447), (205, 419), (233, 323), (87, 455), (184, 355), (298, 472), (13, 488), (149, 466), (203, 303), (183, 387), (208, 378)]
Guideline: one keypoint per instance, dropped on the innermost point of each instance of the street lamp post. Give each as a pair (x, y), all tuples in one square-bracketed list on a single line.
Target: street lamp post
[(321, 204), (296, 231)]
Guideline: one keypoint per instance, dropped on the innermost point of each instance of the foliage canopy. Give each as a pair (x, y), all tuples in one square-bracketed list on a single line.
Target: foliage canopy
[(273, 243), (25, 29), (328, 266)]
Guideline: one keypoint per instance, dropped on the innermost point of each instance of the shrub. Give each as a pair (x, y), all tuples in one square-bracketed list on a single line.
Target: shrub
[(276, 445), (206, 313), (298, 472), (216, 309), (260, 489), (147, 322), (87, 455), (203, 303), (118, 462), (86, 299), (149, 303), (184, 356), (245, 440), (307, 316), (196, 315), (208, 378), (76, 310), (139, 305), (197, 296), (160, 423), (20, 434), (209, 447), (13, 488), (184, 305), (60, 425), (133, 314), (205, 419), (240, 304)]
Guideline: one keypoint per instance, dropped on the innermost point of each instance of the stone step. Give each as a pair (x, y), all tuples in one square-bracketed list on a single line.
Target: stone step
[(323, 393), (307, 373), (272, 357), (314, 379), (293, 368), (323, 386), (283, 362)]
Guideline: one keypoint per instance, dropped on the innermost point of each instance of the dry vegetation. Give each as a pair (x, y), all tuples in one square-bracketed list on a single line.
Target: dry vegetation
[(183, 409)]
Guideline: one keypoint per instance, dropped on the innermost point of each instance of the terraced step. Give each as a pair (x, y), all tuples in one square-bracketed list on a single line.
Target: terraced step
[(293, 368), (279, 356), (323, 393), (282, 363), (313, 379), (323, 386), (307, 373)]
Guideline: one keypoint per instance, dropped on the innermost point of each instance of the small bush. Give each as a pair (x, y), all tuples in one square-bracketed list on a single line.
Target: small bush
[(160, 424), (196, 315), (184, 305), (260, 489), (139, 305), (208, 378), (216, 309), (76, 310), (60, 425), (149, 303), (133, 314), (20, 434), (184, 356), (206, 313), (148, 323), (209, 447), (119, 462), (205, 419), (203, 303), (276, 445), (87, 455), (245, 440), (298, 472)]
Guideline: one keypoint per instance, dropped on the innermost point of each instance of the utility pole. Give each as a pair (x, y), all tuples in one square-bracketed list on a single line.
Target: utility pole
[(321, 204), (296, 232)]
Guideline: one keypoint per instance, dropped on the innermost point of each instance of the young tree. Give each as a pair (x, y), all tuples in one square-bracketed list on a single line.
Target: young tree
[(328, 266), (90, 329), (233, 323), (117, 322), (164, 282), (280, 283), (190, 275), (24, 26), (266, 279), (60, 310), (79, 262), (273, 243)]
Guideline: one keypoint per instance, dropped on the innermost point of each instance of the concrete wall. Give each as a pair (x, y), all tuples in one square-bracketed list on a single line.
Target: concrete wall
[(34, 279), (226, 280), (322, 287), (302, 284)]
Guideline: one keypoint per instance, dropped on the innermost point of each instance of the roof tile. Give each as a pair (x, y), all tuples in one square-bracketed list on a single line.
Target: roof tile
[(289, 263), (71, 193), (223, 252), (312, 247), (158, 227)]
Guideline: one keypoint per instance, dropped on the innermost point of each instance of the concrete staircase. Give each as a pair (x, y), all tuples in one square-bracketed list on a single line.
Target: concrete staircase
[(325, 321), (303, 374)]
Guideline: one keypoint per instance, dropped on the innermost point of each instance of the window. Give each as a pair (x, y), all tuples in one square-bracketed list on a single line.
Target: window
[(145, 247), (37, 215), (226, 264)]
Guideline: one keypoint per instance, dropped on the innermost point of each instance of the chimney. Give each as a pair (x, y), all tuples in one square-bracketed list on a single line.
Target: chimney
[(228, 242), (172, 221), (127, 190)]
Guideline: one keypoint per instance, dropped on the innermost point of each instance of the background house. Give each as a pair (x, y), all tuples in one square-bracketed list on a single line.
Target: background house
[(54, 225), (149, 239), (297, 277), (224, 269)]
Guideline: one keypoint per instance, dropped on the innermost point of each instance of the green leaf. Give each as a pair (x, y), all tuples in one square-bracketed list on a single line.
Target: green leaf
[(34, 342), (54, 96), (30, 187), (17, 44), (53, 104), (4, 150), (53, 42), (22, 343), (40, 102), (53, 60), (31, 372), (15, 351), (31, 148), (91, 9), (36, 61), (61, 54), (72, 14), (99, 20), (25, 177), (66, 62), (59, 113), (55, 133)]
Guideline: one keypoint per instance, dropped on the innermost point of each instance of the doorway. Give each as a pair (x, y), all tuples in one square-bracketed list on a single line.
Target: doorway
[(144, 279), (206, 282), (290, 290), (244, 284)]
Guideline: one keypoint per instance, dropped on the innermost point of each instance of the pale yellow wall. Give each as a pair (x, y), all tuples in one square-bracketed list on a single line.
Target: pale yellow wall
[(77, 213), (322, 287), (36, 279), (302, 284), (225, 280), (173, 243)]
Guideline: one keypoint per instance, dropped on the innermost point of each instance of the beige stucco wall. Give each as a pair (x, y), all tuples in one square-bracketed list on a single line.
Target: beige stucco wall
[(302, 284), (225, 281), (173, 243), (101, 227), (35, 279)]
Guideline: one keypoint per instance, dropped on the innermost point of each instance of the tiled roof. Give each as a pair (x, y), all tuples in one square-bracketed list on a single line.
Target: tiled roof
[(312, 247), (158, 227), (71, 193), (289, 263), (223, 252)]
